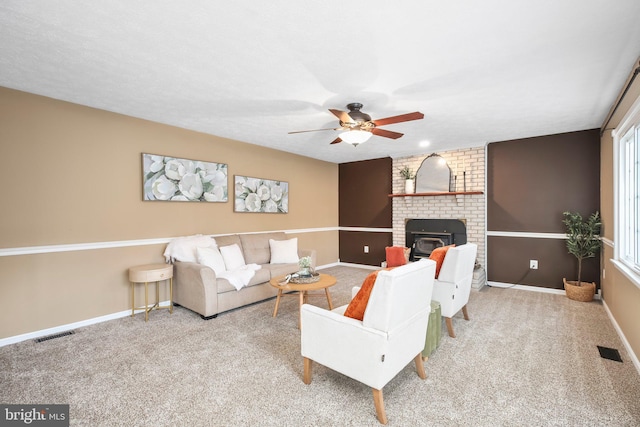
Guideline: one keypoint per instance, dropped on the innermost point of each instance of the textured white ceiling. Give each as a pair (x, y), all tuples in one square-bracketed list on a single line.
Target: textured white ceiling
[(480, 71)]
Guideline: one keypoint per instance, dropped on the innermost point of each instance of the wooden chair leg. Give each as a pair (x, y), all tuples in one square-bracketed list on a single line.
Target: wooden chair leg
[(307, 370), (465, 313), (420, 366), (450, 327), (379, 402)]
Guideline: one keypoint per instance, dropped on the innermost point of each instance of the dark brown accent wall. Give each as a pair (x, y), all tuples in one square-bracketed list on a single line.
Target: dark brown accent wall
[(363, 202), (530, 183), (364, 188), (352, 245), (508, 262)]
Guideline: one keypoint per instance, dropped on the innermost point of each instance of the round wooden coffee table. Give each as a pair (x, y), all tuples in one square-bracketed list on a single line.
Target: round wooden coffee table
[(325, 282)]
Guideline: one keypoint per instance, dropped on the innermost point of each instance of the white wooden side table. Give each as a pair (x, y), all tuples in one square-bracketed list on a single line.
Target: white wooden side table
[(151, 273)]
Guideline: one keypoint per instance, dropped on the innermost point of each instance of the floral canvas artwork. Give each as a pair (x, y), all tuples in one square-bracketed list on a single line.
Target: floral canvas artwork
[(261, 195), (171, 179)]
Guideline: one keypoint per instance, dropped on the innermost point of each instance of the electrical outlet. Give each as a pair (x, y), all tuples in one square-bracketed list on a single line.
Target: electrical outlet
[(366, 249), (533, 264)]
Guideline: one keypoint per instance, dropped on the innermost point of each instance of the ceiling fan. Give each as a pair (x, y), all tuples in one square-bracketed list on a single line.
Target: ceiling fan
[(358, 127)]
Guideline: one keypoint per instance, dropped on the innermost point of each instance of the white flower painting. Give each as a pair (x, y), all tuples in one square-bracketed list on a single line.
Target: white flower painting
[(260, 195), (170, 179)]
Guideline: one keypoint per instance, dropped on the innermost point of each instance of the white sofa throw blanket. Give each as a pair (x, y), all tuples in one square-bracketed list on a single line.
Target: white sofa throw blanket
[(184, 248), (241, 276)]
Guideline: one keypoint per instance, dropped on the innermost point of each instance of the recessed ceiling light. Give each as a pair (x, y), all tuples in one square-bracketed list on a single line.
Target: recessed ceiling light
[(425, 143)]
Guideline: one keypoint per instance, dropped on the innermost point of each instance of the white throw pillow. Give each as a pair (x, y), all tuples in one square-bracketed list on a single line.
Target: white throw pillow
[(212, 258), (232, 256), (284, 251)]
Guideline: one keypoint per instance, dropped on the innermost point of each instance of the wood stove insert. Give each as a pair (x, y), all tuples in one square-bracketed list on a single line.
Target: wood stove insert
[(425, 235)]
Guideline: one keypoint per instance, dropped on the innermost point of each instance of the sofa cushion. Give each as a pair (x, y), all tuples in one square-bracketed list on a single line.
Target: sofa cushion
[(228, 240), (284, 251), (255, 247), (261, 277), (224, 286)]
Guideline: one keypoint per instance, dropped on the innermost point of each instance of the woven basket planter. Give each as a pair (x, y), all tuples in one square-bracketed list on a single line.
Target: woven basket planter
[(582, 293)]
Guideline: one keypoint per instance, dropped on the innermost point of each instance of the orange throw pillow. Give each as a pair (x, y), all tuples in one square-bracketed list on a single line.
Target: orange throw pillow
[(358, 304), (395, 256), (438, 255)]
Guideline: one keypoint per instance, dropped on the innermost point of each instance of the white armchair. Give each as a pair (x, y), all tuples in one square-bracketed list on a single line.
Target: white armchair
[(453, 285), (391, 334)]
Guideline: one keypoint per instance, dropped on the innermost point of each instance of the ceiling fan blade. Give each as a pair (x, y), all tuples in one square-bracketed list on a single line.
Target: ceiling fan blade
[(313, 130), (397, 119), (335, 141), (386, 133), (342, 115)]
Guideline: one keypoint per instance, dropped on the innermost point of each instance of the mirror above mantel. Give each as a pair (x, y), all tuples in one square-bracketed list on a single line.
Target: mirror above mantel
[(434, 176)]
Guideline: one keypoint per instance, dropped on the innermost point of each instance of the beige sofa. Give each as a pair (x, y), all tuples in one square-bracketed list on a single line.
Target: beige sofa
[(197, 288)]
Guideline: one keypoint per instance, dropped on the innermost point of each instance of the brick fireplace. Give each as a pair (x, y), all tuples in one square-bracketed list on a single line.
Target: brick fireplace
[(468, 208)]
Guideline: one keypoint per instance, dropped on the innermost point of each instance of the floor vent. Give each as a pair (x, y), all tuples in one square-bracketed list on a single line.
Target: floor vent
[(609, 353), (50, 337)]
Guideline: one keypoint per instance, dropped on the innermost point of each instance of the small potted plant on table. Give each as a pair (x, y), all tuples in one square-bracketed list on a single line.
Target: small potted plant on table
[(583, 241), (305, 266)]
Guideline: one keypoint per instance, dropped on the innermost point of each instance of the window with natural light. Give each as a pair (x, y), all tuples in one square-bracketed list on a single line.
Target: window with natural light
[(627, 143)]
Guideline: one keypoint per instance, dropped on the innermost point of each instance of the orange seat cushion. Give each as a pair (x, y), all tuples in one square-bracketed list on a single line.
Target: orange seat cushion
[(395, 256), (358, 304), (438, 255)]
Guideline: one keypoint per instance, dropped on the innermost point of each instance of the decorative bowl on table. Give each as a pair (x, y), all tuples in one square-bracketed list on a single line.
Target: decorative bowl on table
[(304, 278)]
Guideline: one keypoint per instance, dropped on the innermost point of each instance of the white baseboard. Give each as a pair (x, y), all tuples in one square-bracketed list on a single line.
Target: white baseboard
[(626, 344), (598, 295), (333, 264), (525, 288), (368, 267), (70, 326)]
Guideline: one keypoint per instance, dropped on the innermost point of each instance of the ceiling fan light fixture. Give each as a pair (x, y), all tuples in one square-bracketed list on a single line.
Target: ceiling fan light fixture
[(355, 137), (357, 127)]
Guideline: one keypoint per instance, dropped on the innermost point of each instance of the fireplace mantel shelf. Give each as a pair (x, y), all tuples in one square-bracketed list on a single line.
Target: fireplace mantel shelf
[(450, 193)]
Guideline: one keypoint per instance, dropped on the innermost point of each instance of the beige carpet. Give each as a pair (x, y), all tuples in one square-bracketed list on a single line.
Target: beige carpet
[(524, 358)]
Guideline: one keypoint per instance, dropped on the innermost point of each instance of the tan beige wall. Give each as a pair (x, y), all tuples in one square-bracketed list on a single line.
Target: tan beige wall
[(620, 294), (72, 174)]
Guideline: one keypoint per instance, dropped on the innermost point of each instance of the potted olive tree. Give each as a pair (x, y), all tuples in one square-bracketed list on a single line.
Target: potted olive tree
[(409, 183), (583, 241)]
